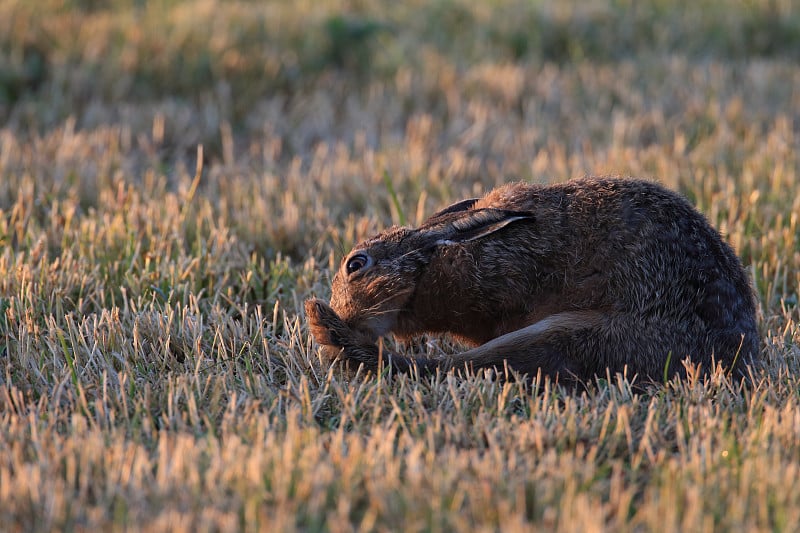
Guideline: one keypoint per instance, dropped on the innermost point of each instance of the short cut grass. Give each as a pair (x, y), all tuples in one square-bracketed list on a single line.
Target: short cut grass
[(155, 368)]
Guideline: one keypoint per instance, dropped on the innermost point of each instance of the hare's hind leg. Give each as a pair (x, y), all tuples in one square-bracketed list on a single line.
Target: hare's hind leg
[(552, 345), (549, 345)]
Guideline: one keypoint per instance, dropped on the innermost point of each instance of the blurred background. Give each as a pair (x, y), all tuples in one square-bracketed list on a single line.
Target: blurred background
[(322, 121), (176, 177)]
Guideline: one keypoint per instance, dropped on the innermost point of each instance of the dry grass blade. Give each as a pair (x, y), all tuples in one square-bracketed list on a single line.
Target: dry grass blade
[(155, 368)]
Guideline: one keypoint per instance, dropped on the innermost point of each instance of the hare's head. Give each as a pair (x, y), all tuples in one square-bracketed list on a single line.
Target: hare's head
[(379, 278)]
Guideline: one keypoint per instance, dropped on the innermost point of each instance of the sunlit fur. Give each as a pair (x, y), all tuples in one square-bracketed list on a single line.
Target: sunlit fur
[(570, 279)]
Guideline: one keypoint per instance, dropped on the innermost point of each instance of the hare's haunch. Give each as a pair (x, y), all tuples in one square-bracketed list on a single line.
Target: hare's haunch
[(571, 280)]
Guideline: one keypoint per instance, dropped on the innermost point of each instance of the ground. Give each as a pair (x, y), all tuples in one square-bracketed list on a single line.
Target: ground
[(176, 178)]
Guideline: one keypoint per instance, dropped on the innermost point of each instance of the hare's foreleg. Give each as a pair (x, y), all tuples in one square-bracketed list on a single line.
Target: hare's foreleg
[(343, 342)]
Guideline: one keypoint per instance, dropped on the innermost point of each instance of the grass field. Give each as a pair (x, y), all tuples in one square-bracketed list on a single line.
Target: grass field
[(157, 372)]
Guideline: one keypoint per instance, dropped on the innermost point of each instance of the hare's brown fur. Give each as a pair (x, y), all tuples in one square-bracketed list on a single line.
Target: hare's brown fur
[(569, 279)]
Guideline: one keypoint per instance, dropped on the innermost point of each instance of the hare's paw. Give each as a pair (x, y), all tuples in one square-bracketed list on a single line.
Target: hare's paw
[(325, 325), (332, 353)]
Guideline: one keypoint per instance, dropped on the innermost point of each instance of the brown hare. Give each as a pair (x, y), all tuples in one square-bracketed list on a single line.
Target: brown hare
[(571, 280)]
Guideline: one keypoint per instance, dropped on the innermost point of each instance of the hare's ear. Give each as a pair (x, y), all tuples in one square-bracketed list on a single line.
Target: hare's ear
[(463, 205), (476, 224)]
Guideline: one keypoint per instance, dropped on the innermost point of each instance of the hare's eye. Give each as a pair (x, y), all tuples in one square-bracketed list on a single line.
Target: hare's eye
[(356, 263)]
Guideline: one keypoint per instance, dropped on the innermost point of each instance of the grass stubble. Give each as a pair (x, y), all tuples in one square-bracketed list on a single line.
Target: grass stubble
[(156, 368)]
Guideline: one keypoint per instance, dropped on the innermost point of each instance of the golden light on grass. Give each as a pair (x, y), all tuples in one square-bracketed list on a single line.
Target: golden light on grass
[(155, 370)]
